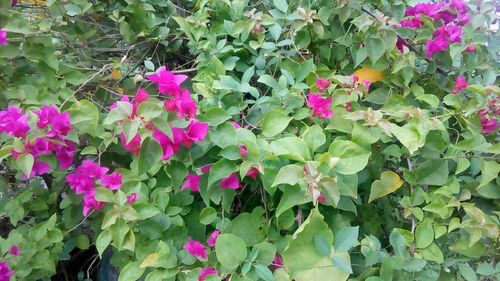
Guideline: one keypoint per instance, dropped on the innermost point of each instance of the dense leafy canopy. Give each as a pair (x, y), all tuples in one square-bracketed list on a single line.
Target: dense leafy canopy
[(250, 140)]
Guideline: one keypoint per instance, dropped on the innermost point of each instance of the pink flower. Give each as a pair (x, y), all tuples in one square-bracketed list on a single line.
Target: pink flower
[(134, 145), (207, 271), (413, 22), (231, 182), (243, 151), (183, 103), (40, 147), (5, 271), (89, 203), (64, 154), (192, 182), (436, 45), (112, 181), (165, 143), (321, 106), (206, 168), (253, 173), (367, 84), (348, 107), (355, 80), (132, 198), (400, 44), (13, 122), (167, 81), (213, 238), (322, 84), (196, 249), (277, 262), (483, 111), (321, 198), (3, 37), (14, 2), (141, 96), (451, 32), (49, 117), (14, 250), (460, 84), (470, 48), (197, 131), (489, 125)]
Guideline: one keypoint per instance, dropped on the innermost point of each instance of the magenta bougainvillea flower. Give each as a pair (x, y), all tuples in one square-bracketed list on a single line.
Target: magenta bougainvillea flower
[(165, 143), (277, 262), (167, 81), (192, 182), (5, 271), (206, 168), (197, 131), (322, 107), (205, 272), (195, 249), (348, 107), (141, 96), (183, 104), (488, 125), (112, 181), (132, 198), (14, 250), (83, 181), (460, 84), (436, 45), (213, 238), (231, 182), (3, 37), (451, 32), (253, 173), (470, 48), (243, 151), (13, 122), (59, 124), (322, 84), (412, 22), (134, 145)]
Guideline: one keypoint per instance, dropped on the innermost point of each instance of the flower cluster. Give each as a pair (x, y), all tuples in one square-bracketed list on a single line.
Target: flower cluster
[(322, 107), (84, 180), (198, 250), (490, 124), (179, 101), (55, 127), (460, 84), (5, 271), (452, 15)]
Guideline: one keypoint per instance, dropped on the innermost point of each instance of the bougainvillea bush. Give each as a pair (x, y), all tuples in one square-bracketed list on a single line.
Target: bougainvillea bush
[(249, 140)]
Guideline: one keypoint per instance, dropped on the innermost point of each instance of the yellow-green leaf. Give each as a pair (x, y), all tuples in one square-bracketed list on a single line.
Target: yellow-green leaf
[(388, 183)]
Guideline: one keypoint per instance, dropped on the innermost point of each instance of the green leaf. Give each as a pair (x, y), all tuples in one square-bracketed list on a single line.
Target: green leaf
[(467, 272), (230, 250), (409, 136), (398, 243), (215, 116), (346, 238), (291, 148), (208, 215), (130, 129), (485, 269), (388, 183), (224, 135), (293, 196), (424, 235), (221, 169), (289, 174), (432, 172), (414, 265), (375, 48), (84, 117), (282, 5), (342, 264), (104, 194), (314, 137), (149, 109), (146, 210), (322, 246), (131, 272), (103, 241), (264, 272), (274, 122), (25, 163), (304, 69), (432, 253), (82, 241), (151, 152), (248, 227), (303, 261), (349, 157), (489, 172)]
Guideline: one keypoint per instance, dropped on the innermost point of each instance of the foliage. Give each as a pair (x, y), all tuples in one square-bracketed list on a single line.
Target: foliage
[(255, 140)]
